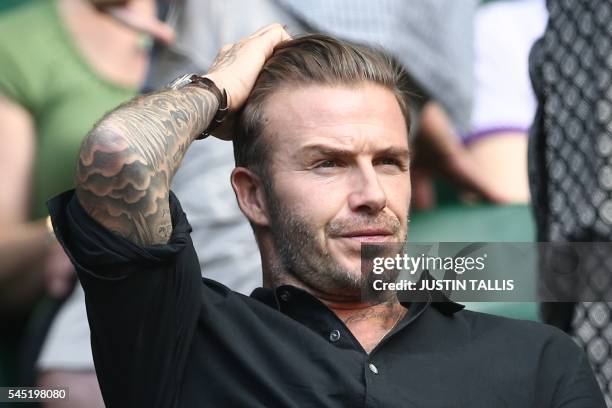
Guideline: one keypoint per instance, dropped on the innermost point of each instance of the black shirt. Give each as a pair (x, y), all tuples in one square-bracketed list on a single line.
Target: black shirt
[(164, 337)]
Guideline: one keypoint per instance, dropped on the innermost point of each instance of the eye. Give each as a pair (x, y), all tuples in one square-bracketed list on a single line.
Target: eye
[(391, 161), (327, 164)]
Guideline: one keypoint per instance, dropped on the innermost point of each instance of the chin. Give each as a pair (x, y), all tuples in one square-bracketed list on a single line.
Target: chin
[(354, 275), (352, 265)]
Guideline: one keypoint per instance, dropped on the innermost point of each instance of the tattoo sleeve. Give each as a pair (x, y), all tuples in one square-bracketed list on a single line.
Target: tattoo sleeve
[(128, 160)]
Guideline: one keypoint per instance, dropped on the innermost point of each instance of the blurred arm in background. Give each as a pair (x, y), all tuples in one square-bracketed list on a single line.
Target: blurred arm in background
[(26, 247), (438, 151), (504, 103), (29, 254)]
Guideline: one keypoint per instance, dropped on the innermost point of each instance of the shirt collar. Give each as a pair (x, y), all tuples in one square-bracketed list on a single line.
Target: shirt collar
[(309, 311), (276, 297)]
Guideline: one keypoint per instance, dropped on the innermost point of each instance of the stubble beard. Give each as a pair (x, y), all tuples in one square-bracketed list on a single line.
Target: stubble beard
[(309, 261)]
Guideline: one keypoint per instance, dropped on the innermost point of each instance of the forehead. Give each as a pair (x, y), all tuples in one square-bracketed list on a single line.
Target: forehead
[(365, 116)]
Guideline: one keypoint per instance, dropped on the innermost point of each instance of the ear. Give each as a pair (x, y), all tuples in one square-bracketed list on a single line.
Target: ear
[(250, 195)]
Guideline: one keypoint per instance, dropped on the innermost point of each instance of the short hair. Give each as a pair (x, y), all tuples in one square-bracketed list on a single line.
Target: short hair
[(313, 60)]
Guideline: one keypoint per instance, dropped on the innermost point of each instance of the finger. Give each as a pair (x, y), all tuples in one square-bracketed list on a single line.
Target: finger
[(149, 25), (285, 36), (271, 38), (279, 32), (263, 30)]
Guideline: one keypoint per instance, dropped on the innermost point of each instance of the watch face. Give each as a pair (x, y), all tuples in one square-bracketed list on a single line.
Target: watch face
[(180, 82)]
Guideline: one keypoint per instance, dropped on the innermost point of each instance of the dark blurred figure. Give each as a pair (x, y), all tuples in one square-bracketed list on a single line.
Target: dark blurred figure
[(570, 165)]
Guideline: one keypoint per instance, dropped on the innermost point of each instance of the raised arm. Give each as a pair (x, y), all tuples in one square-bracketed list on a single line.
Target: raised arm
[(128, 160)]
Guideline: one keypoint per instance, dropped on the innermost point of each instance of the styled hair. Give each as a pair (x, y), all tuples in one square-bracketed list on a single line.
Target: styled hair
[(312, 60)]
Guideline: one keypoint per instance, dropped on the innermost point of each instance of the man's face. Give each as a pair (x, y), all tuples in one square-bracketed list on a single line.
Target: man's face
[(339, 177)]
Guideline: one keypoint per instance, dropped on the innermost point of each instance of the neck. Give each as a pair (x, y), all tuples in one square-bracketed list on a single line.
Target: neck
[(112, 50), (368, 320)]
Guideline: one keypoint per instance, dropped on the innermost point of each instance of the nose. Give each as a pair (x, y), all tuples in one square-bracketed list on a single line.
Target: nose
[(367, 195)]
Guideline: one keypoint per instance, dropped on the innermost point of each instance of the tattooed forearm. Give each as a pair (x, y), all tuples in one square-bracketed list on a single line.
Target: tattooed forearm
[(128, 160)]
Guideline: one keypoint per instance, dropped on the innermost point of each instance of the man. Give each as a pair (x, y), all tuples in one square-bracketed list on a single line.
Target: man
[(322, 166)]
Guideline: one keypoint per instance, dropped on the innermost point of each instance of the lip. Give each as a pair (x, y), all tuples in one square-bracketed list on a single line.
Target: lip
[(367, 238), (368, 234), (356, 238)]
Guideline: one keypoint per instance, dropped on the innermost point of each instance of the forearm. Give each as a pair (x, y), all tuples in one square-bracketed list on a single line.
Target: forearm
[(128, 160)]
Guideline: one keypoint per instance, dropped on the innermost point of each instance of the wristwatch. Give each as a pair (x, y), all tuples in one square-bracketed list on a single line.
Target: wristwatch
[(209, 85)]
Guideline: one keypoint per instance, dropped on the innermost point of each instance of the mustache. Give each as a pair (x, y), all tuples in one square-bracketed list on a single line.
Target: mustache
[(345, 226)]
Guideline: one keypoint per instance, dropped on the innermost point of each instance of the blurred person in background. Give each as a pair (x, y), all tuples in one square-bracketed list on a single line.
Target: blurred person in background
[(570, 170), (504, 103), (63, 64)]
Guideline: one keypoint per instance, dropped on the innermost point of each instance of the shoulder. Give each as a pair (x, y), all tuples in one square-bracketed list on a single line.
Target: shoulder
[(488, 324), (530, 353), (528, 337), (30, 39), (533, 346)]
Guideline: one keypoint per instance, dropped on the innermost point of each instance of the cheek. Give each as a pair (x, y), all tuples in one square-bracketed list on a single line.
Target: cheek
[(398, 193), (316, 201)]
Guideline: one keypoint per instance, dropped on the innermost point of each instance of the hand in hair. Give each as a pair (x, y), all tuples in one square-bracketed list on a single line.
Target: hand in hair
[(127, 162), (237, 66)]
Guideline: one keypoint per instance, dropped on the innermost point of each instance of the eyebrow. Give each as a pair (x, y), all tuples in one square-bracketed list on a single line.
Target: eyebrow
[(338, 151), (396, 152)]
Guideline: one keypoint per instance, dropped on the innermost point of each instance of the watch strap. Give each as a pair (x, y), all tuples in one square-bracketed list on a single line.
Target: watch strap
[(209, 85)]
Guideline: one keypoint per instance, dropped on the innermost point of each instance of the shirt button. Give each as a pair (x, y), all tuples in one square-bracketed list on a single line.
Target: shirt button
[(334, 336), (373, 368), (284, 295)]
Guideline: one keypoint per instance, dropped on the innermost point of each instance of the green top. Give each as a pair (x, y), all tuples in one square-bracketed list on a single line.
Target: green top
[(42, 69)]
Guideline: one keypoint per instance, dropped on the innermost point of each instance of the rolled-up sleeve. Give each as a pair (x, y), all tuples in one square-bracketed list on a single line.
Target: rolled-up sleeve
[(142, 303)]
